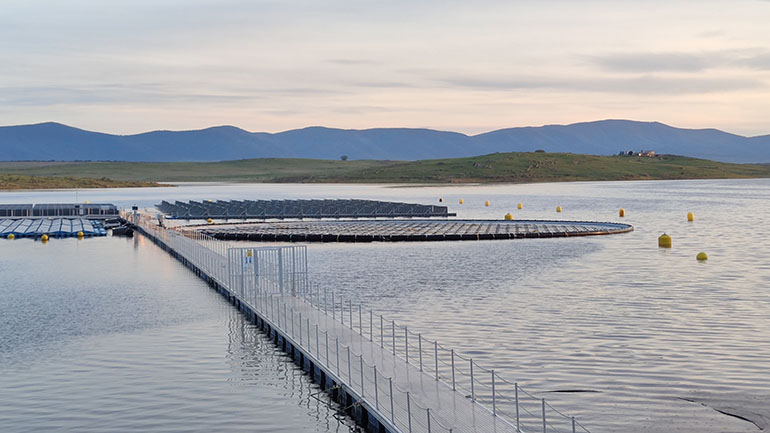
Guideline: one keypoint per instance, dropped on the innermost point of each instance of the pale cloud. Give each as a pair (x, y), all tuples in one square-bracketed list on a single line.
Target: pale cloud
[(644, 85), (348, 62), (639, 62), (653, 62)]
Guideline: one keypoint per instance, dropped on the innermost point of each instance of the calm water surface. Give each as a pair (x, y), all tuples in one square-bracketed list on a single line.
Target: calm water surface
[(645, 329), (114, 335)]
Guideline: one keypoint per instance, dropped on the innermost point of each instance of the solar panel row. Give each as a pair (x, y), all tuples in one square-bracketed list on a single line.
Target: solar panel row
[(281, 209)]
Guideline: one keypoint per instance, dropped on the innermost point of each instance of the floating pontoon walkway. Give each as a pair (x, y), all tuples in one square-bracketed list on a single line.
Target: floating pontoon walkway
[(387, 376), (407, 230), (283, 209), (53, 227)]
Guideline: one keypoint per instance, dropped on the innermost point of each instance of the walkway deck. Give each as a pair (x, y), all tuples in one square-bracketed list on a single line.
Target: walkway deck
[(452, 409), (405, 382)]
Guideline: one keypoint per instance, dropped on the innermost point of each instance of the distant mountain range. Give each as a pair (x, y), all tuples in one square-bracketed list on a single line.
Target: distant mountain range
[(54, 141)]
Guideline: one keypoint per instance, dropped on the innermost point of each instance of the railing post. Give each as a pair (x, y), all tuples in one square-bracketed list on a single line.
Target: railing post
[(453, 371), (377, 396), (427, 410), (309, 340), (342, 311), (350, 376), (419, 348), (435, 355), (317, 350), (516, 397), (544, 428), (350, 308), (326, 336), (573, 424), (361, 364), (494, 405), (473, 393), (409, 411), (393, 328), (406, 343), (392, 416), (276, 308), (300, 329), (337, 352), (292, 323), (360, 322)]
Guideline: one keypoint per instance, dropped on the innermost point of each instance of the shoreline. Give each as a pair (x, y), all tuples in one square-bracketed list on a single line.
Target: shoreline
[(383, 184)]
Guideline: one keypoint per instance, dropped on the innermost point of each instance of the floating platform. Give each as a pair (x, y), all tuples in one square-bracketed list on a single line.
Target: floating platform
[(53, 227), (43, 210), (407, 230), (291, 209)]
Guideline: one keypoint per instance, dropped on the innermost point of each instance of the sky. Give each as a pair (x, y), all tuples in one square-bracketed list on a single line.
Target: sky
[(466, 66)]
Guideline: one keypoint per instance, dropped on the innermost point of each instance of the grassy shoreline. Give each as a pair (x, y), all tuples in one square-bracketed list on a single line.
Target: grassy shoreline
[(12, 182), (494, 168)]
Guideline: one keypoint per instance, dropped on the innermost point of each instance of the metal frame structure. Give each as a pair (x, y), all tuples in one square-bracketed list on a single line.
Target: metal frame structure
[(271, 270)]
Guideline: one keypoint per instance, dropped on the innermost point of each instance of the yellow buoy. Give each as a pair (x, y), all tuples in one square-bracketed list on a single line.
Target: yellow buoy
[(508, 216), (44, 238), (486, 203), (85, 202), (702, 256), (690, 216), (462, 201), (664, 241), (520, 206), (210, 220), (11, 236), (81, 235), (622, 212), (558, 208)]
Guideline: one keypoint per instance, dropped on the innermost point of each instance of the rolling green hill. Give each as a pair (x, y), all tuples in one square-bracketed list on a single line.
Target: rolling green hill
[(498, 167)]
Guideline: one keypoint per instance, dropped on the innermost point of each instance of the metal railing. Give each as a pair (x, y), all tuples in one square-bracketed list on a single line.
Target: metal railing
[(504, 399)]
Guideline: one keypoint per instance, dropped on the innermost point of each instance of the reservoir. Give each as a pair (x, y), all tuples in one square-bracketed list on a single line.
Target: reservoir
[(113, 334)]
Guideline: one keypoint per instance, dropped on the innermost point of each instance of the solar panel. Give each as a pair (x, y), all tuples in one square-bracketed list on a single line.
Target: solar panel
[(282, 209)]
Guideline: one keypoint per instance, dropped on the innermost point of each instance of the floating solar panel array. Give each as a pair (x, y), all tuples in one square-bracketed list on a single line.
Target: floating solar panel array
[(57, 210), (282, 209), (408, 230), (55, 227)]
